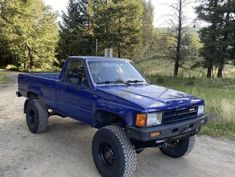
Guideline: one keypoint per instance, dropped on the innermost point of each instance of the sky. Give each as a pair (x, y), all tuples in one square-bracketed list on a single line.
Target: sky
[(160, 13)]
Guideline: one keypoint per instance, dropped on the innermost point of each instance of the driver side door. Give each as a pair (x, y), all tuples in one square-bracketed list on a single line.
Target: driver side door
[(74, 94)]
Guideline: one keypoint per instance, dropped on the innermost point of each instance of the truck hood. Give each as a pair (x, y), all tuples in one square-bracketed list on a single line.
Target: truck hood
[(153, 97)]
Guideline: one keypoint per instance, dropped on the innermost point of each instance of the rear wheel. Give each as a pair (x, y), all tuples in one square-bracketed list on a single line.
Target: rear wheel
[(36, 116), (178, 148), (113, 154)]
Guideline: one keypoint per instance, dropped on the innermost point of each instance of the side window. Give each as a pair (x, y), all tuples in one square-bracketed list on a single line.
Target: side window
[(76, 74)]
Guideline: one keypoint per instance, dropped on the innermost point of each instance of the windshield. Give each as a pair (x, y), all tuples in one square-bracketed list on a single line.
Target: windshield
[(107, 72)]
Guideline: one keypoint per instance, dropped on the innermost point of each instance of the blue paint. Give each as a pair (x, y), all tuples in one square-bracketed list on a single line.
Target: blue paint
[(82, 103)]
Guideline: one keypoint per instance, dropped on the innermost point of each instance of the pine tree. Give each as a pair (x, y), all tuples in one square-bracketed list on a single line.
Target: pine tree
[(217, 37), (118, 25), (225, 40), (76, 35), (148, 31), (147, 21)]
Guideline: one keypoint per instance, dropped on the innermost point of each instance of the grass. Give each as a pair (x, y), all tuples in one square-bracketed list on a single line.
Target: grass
[(3, 78), (164, 67), (225, 130), (219, 94)]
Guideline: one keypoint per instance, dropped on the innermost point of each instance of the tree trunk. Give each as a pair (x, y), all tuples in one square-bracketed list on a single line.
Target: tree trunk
[(119, 51), (210, 61), (119, 32), (30, 55), (220, 72), (30, 61), (222, 60), (179, 38), (176, 70), (221, 65), (119, 54), (209, 71)]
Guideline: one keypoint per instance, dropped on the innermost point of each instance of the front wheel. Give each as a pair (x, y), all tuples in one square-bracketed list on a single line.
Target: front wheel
[(178, 148), (113, 153)]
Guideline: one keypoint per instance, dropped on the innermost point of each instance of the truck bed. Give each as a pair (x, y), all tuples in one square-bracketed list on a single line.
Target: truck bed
[(53, 76), (42, 84)]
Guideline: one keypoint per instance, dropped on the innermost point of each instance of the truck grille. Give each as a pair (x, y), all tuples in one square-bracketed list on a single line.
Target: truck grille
[(181, 114)]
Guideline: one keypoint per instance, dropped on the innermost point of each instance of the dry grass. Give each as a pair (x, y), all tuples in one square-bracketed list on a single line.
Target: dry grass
[(219, 94), (227, 110)]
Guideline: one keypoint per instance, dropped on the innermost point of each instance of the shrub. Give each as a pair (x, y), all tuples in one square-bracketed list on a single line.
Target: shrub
[(12, 68)]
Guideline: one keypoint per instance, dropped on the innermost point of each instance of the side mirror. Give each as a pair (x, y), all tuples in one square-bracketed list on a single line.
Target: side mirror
[(82, 84), (79, 82)]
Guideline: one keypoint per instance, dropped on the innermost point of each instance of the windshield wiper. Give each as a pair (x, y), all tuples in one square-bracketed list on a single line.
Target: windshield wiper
[(139, 81), (123, 82), (134, 81), (105, 82), (114, 82)]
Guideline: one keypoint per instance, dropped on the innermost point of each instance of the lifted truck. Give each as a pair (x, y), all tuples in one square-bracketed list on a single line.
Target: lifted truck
[(111, 95)]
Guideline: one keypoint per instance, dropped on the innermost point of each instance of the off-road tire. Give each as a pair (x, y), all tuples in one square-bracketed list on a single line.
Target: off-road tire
[(183, 147), (125, 158), (36, 116)]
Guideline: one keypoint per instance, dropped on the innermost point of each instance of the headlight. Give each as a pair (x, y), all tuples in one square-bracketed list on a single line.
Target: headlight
[(201, 110), (154, 119)]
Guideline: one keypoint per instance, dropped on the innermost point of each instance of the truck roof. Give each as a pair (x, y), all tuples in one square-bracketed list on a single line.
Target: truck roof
[(95, 58)]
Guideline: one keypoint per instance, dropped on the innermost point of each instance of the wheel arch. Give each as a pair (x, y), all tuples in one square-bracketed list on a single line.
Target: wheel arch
[(103, 118), (33, 95)]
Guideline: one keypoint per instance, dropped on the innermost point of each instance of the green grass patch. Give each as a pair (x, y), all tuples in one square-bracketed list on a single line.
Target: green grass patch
[(220, 129), (219, 96), (3, 78)]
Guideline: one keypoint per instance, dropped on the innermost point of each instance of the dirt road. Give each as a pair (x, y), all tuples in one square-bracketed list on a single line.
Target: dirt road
[(65, 149)]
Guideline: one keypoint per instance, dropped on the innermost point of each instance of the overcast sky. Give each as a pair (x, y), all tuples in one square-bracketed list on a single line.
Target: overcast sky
[(161, 10)]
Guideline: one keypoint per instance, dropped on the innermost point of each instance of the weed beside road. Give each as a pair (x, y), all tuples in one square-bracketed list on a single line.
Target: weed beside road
[(3, 78)]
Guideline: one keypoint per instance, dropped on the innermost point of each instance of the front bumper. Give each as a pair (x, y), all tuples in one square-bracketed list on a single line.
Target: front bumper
[(168, 132)]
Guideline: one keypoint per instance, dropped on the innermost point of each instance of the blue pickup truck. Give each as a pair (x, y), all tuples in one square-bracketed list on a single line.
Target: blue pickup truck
[(111, 95)]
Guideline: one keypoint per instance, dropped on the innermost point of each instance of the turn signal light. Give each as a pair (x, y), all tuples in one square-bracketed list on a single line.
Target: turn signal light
[(155, 134), (141, 120)]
